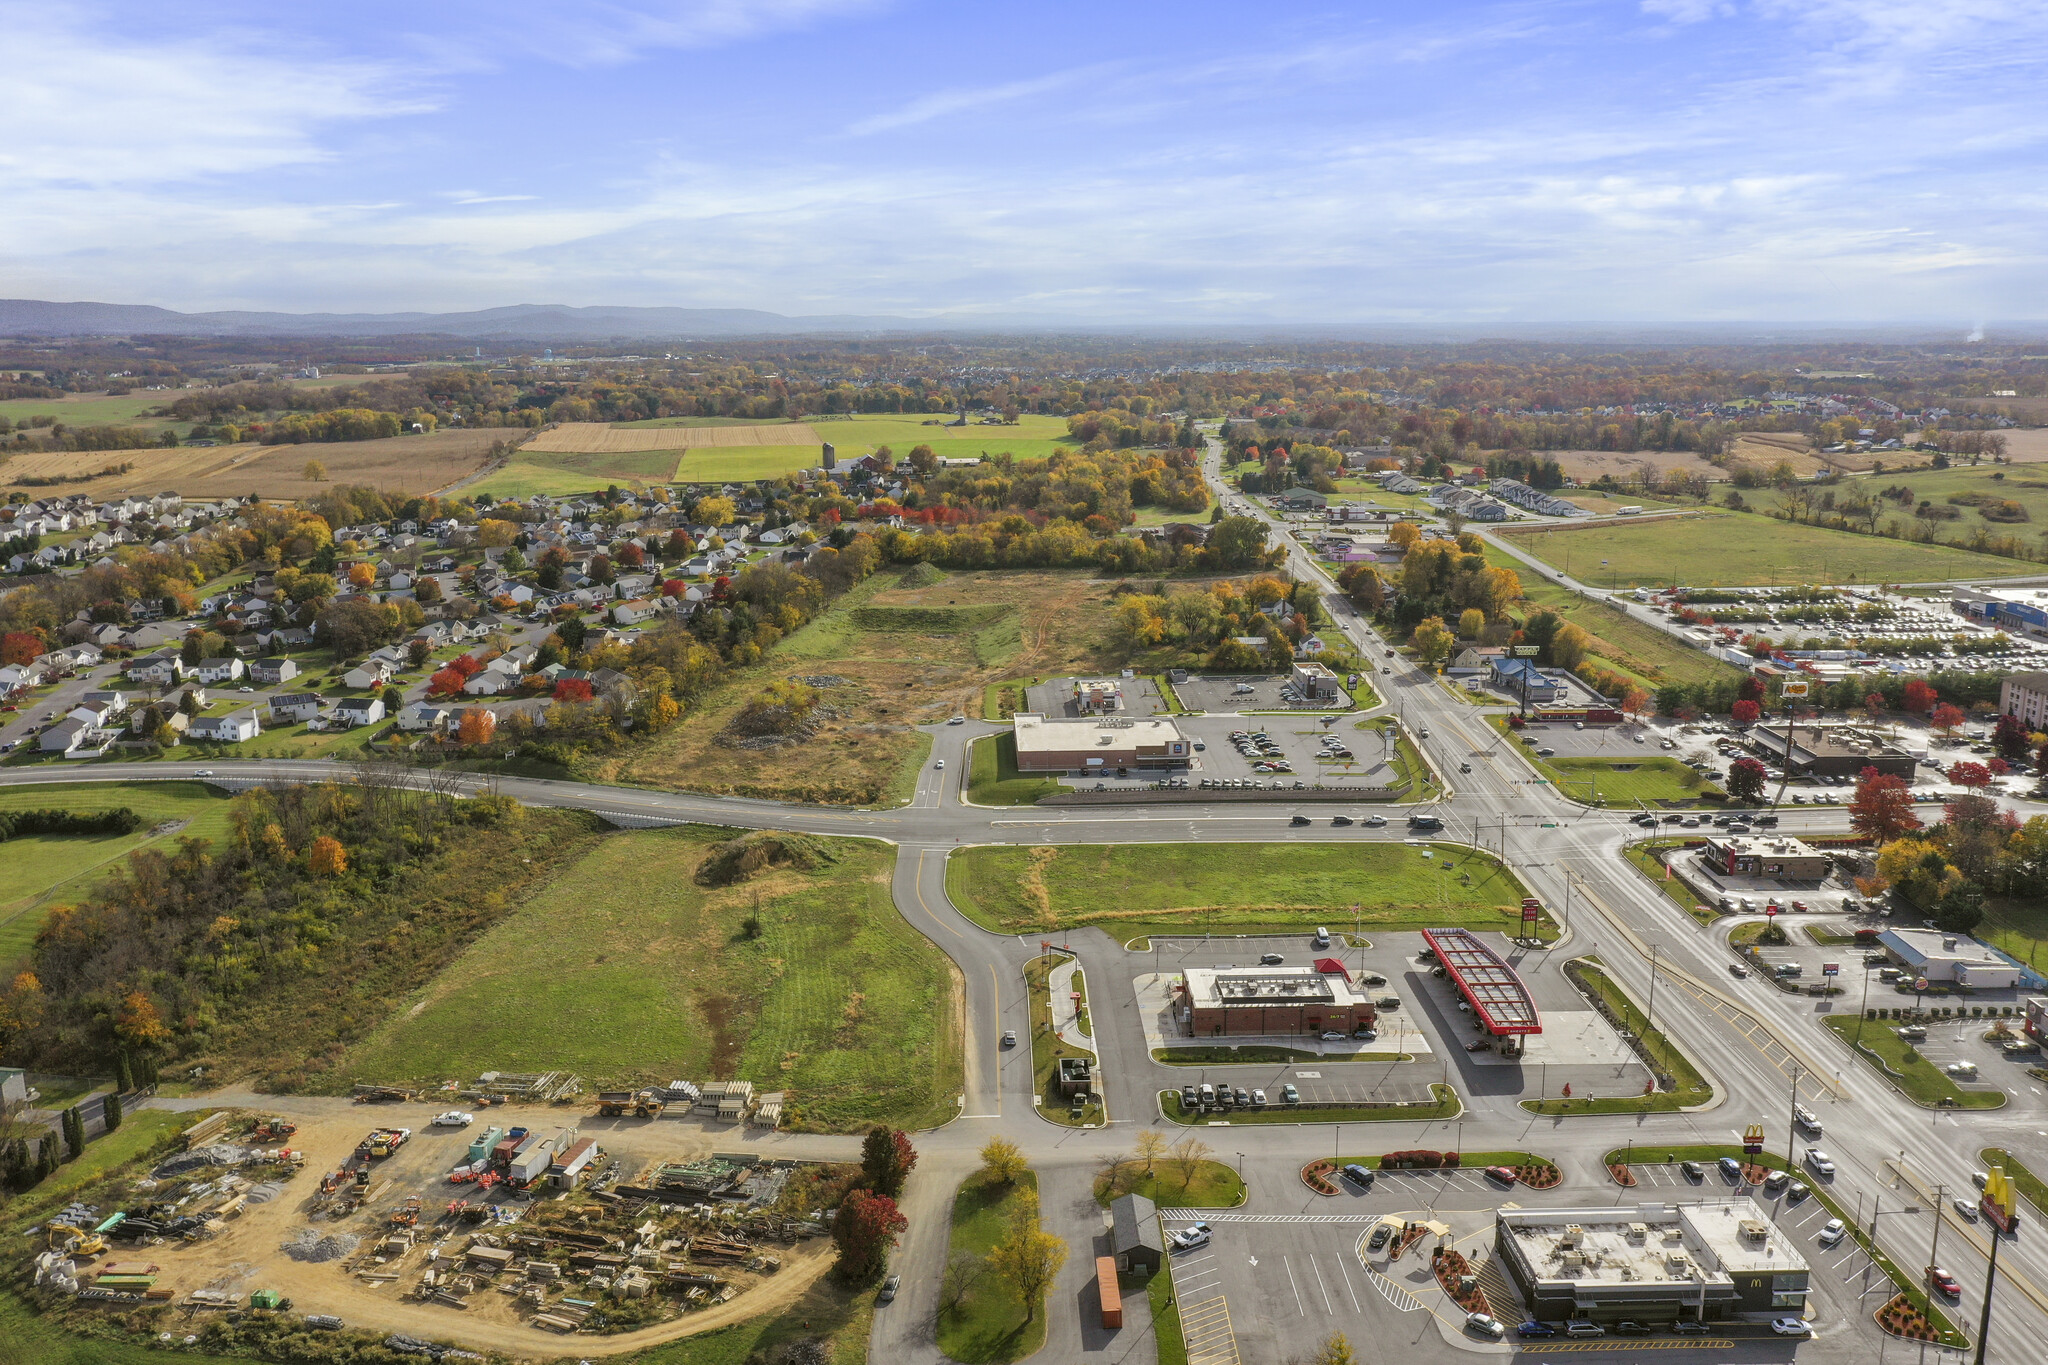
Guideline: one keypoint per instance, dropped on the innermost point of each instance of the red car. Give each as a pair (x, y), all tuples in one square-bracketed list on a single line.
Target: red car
[(1944, 1282), (1799, 906), (1504, 1174)]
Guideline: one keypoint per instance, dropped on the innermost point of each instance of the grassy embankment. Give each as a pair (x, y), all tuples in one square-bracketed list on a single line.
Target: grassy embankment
[(624, 969), (1643, 857), (1047, 1050), (992, 776), (1445, 1106), (1729, 549), (1176, 889), (1689, 1088), (1913, 1287), (1625, 782), (990, 1323), (43, 869), (1919, 1079)]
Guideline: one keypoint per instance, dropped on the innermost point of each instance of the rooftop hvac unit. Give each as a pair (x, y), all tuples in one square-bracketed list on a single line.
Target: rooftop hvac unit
[(1639, 1231), (1573, 1260), (1754, 1228), (1573, 1235)]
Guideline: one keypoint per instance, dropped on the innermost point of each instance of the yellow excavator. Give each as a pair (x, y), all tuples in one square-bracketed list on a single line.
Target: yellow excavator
[(76, 1241)]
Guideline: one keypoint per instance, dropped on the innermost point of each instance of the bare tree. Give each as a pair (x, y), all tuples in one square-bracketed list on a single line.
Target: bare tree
[(963, 1272), (1188, 1155), (1112, 1171), (1151, 1146)]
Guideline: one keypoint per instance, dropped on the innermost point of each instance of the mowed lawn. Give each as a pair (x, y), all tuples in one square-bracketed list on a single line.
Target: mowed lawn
[(626, 971), (44, 869), (560, 475), (1620, 641), (1734, 548), (1017, 889)]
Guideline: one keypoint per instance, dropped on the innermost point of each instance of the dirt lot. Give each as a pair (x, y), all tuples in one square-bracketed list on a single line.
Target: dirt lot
[(246, 1257), (591, 438), (1762, 449), (405, 464)]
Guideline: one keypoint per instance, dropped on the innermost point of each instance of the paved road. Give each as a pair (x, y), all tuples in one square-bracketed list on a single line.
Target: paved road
[(1745, 1035)]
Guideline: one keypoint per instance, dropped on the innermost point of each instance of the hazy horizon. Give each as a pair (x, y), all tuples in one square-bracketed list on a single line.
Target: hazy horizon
[(1474, 169)]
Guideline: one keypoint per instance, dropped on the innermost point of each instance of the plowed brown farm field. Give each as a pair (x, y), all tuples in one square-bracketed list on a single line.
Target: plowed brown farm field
[(400, 464), (597, 438)]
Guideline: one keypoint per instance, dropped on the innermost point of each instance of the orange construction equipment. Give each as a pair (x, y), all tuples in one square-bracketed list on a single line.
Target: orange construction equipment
[(407, 1214)]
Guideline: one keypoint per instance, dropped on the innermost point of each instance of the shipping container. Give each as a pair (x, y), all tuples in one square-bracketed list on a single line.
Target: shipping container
[(569, 1166), (531, 1164), (481, 1148), (1106, 1289)]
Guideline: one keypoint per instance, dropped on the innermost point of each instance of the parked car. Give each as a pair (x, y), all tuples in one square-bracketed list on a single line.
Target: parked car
[(1832, 1232), (889, 1288), (1628, 1327), (1504, 1174), (1192, 1236), (1289, 1094), (1578, 1328), (1380, 1236), (454, 1118), (1485, 1324), (1358, 1175), (1258, 1099), (1731, 1169), (1689, 1327), (1533, 1328), (1335, 1037), (1792, 1327), (1693, 1171), (1822, 1165)]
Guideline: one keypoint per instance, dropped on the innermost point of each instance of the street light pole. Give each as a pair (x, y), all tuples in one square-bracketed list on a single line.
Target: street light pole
[(1792, 1123), (1990, 1276)]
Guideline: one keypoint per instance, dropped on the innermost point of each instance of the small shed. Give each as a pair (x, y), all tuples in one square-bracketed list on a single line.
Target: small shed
[(1135, 1235)]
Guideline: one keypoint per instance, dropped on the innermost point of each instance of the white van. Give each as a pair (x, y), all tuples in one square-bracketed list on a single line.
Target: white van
[(1322, 937)]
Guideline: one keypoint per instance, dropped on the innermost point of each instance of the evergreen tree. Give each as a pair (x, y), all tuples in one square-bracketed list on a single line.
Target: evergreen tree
[(124, 1076), (74, 1133), (113, 1112)]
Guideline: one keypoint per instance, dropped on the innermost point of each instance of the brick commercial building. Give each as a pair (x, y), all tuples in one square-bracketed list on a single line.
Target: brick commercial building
[(1833, 751), (1268, 1000), (1782, 857), (1083, 747), (1712, 1261)]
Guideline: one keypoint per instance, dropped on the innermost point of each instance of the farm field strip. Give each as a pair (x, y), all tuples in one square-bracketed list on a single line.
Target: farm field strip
[(601, 438)]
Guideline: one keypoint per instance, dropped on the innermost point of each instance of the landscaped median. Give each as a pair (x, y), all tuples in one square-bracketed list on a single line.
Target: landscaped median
[(1324, 1175), (1683, 1087), (1047, 1051), (1877, 1042), (1643, 857), (1179, 889), (1444, 1106), (1912, 1290), (1616, 782), (989, 1321)]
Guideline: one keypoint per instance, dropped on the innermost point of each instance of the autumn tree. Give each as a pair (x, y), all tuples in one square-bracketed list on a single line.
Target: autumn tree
[(1139, 620), (314, 472), (1570, 646), (1882, 808), (494, 534), (1745, 712), (886, 1157), (1238, 542), (863, 1230), (1968, 774), (714, 511), (1433, 641), (1636, 704), (327, 857), (1335, 1350), (1002, 1161), (1028, 1258), (1150, 1146), (1874, 705), (661, 711), (1946, 718), (1919, 697), (1403, 535), (362, 574), (1917, 871), (476, 726), (1746, 779), (138, 1023), (2009, 738), (1470, 622), (20, 647)]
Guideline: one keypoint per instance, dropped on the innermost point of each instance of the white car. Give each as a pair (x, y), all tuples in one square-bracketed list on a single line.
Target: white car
[(1192, 1236), (1832, 1233), (1822, 1164), (940, 765), (1485, 1324), (454, 1118), (1966, 1209), (957, 720), (1792, 1327)]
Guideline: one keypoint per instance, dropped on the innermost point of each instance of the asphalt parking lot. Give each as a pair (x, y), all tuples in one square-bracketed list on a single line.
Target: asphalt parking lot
[(1055, 698), (1594, 741), (1222, 694), (1299, 744)]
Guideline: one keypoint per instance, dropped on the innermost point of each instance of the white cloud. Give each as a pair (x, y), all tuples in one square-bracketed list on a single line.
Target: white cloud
[(967, 99)]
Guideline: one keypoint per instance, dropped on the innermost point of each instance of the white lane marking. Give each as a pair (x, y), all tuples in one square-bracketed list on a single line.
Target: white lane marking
[(1299, 1306), (1328, 1307)]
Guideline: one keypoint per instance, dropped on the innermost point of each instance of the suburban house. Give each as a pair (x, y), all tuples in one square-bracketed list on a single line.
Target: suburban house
[(218, 670), (423, 715), (230, 729), (371, 672), (294, 707), (159, 669), (359, 711), (96, 714), (633, 612), (1525, 680), (273, 670), (76, 738), (1475, 658)]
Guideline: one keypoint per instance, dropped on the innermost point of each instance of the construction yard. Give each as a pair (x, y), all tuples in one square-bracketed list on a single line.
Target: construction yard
[(648, 1236)]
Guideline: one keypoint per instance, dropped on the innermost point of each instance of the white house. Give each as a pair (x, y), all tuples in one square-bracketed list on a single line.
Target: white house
[(359, 711), (369, 673), (273, 670), (632, 613), (76, 738), (230, 729), (293, 707), (160, 669), (219, 670), (424, 716)]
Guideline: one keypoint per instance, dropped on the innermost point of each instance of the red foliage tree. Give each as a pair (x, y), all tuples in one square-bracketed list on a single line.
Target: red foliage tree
[(20, 647), (446, 683), (1920, 697), (1999, 767), (674, 587), (1874, 704), (1745, 712), (631, 555), (886, 1157), (572, 689), (1968, 774), (1746, 779), (1946, 718), (1750, 689), (2009, 737), (1882, 808), (864, 1229)]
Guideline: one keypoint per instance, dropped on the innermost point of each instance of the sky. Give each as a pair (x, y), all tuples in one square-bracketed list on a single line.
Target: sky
[(1112, 162)]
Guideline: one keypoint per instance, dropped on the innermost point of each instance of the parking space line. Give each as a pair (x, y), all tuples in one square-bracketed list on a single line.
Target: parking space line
[(1300, 1307), (1348, 1289), (1328, 1307)]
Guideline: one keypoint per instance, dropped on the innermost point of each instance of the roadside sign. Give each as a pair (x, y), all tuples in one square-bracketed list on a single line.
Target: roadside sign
[(1527, 651), (1999, 1202), (1753, 1139), (1795, 689), (1770, 912), (1830, 969)]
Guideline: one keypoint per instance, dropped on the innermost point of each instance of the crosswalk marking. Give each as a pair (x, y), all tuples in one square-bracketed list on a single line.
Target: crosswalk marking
[(1206, 1332)]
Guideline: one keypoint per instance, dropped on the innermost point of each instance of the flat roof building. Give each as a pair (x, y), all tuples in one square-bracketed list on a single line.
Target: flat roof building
[(1316, 682), (2024, 696), (1653, 1263), (1779, 856), (1953, 959), (1082, 747), (1098, 696), (1234, 1001), (1833, 750)]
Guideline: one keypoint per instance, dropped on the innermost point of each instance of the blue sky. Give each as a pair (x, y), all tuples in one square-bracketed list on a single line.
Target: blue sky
[(1441, 163)]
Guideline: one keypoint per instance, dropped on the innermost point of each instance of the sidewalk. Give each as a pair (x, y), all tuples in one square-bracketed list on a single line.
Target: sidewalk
[(1066, 1023)]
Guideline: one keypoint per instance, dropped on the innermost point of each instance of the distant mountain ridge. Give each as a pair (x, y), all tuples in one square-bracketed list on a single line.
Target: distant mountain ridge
[(525, 321)]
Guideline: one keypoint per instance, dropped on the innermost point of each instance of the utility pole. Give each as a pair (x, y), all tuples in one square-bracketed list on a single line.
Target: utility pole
[(1990, 1277), (1650, 1026), (1934, 1248), (1792, 1127)]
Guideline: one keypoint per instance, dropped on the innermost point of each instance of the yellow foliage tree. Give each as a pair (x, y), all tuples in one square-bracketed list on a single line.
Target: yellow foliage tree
[(138, 1022), (1470, 622), (327, 858), (1434, 641), (476, 726), (1404, 534), (715, 511), (662, 711), (1003, 1161), (362, 575), (314, 472), (494, 534)]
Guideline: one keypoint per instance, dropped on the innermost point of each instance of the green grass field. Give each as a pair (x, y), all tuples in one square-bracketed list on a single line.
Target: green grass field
[(992, 776), (1923, 1082), (1620, 642), (1227, 886), (1734, 548), (1209, 1185), (85, 412), (43, 869), (531, 472), (989, 1323), (1611, 782), (2026, 485), (624, 969)]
